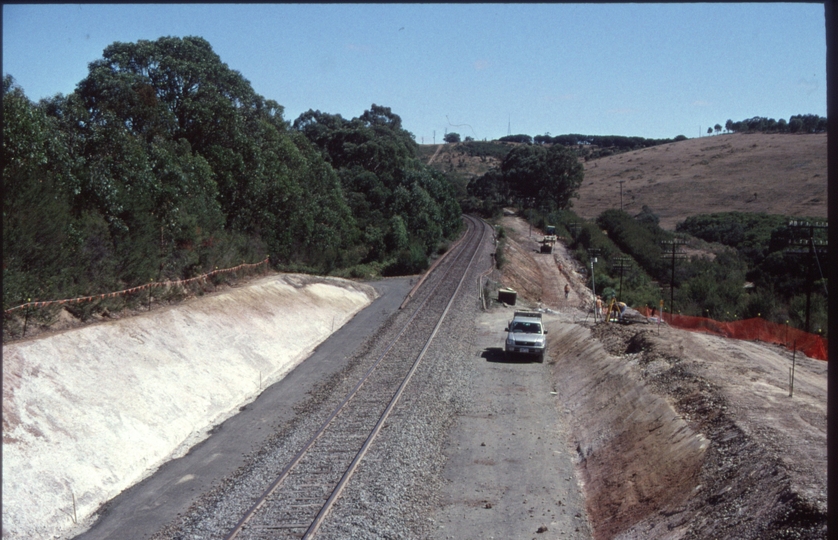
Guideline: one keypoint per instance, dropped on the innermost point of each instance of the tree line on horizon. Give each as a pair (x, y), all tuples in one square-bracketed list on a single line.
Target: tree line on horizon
[(799, 123), (165, 164)]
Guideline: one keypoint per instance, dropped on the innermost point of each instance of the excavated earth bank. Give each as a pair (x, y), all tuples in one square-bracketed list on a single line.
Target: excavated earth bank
[(678, 434), (666, 452), (90, 411)]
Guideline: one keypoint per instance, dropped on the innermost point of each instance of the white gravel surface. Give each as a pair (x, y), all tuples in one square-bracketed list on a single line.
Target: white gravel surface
[(90, 412)]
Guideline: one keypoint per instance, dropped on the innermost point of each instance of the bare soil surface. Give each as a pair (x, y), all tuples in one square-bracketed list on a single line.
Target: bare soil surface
[(743, 172), (677, 434)]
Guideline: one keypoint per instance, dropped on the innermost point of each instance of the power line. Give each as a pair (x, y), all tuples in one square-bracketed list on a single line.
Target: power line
[(677, 254), (815, 248)]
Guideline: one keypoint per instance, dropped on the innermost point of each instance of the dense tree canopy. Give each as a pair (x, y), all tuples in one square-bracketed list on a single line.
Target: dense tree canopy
[(551, 176), (397, 200), (530, 176), (164, 163)]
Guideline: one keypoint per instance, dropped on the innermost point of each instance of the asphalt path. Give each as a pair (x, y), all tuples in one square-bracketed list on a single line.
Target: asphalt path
[(145, 508)]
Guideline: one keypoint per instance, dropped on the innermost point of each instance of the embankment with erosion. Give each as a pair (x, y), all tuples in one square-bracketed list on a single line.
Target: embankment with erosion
[(91, 411)]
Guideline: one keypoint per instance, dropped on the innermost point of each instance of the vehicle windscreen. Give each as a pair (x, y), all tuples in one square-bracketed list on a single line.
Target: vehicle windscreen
[(527, 327)]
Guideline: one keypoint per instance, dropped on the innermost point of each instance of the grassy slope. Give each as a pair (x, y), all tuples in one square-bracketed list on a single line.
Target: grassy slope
[(772, 173), (775, 174)]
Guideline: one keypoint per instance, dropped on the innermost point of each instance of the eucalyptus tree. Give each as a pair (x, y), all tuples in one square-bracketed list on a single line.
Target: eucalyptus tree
[(191, 109), (550, 176), (403, 207)]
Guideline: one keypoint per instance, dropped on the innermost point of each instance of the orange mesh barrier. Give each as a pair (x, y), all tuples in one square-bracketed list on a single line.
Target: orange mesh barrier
[(169, 283), (756, 329)]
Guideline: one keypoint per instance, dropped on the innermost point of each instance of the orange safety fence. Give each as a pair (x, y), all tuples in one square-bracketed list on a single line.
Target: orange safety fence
[(169, 283), (756, 329)]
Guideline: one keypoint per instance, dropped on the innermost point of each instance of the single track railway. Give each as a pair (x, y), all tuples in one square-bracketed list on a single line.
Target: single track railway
[(299, 500)]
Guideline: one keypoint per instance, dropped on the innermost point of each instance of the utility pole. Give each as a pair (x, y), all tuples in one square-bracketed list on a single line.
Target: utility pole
[(815, 250), (621, 182), (621, 263), (529, 202), (592, 253), (676, 254)]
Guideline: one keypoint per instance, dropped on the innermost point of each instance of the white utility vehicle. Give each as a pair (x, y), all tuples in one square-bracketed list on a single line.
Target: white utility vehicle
[(526, 335)]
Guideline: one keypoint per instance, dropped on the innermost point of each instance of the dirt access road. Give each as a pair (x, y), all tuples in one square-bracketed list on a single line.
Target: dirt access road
[(674, 434)]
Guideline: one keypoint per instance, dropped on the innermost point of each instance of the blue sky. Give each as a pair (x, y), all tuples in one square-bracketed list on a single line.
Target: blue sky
[(649, 70)]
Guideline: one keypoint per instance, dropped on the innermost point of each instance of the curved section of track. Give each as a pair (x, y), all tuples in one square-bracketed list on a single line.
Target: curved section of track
[(299, 500)]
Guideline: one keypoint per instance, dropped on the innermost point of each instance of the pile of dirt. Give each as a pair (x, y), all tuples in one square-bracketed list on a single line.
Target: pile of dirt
[(540, 277), (754, 482)]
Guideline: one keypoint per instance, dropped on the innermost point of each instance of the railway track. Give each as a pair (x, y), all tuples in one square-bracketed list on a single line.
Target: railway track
[(299, 500)]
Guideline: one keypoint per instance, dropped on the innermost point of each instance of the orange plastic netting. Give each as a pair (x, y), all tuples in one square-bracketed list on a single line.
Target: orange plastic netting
[(756, 329)]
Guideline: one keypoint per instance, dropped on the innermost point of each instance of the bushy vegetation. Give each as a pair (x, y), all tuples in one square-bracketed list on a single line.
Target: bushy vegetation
[(485, 149), (749, 233), (766, 245), (531, 176), (586, 147), (618, 142), (521, 138), (745, 270), (165, 164), (587, 240)]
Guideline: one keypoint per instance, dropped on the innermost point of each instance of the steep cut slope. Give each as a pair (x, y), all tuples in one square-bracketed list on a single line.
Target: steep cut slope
[(91, 411)]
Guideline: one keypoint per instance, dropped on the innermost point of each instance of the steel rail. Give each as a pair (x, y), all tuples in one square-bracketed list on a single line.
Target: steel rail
[(431, 269), (321, 516), (308, 446)]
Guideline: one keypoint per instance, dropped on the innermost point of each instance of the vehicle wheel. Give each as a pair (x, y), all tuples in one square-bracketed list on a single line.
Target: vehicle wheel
[(540, 358)]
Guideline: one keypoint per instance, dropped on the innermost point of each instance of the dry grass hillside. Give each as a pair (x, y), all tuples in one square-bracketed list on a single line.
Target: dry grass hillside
[(452, 159), (773, 173)]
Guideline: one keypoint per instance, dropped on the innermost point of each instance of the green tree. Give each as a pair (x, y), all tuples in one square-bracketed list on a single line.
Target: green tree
[(375, 160), (227, 149), (451, 137), (38, 186), (549, 176)]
